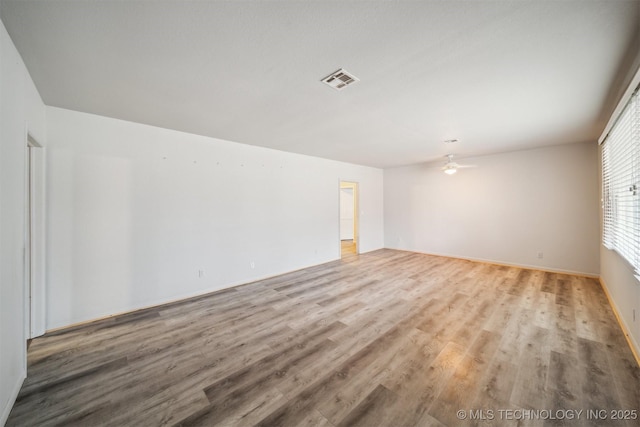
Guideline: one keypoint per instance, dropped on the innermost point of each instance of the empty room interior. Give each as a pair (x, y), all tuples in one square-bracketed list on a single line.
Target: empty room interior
[(319, 213)]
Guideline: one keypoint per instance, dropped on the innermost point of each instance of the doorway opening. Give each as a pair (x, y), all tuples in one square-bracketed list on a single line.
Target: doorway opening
[(348, 219), (34, 252)]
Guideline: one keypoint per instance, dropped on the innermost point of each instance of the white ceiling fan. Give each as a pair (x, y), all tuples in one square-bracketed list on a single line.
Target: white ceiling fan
[(452, 167)]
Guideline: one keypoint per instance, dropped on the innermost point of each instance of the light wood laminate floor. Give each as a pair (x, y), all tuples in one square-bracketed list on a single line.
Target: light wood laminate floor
[(347, 248), (386, 338)]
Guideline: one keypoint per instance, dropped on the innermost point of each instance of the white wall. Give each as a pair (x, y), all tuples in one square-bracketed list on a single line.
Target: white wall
[(21, 111), (624, 289), (136, 211), (509, 208), (615, 273), (619, 279)]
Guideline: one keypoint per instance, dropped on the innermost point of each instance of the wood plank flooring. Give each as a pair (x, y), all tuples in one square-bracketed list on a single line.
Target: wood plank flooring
[(387, 338), (347, 248)]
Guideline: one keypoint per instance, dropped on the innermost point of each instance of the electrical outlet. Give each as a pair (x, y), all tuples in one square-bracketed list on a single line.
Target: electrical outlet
[(540, 255), (252, 264), (201, 273)]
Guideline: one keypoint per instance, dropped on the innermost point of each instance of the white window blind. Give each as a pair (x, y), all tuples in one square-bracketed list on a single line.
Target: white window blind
[(621, 184)]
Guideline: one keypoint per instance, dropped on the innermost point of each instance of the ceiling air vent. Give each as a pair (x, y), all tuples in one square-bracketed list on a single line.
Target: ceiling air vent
[(340, 79)]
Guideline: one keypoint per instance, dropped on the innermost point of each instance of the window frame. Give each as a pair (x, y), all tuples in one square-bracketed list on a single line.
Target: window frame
[(620, 162)]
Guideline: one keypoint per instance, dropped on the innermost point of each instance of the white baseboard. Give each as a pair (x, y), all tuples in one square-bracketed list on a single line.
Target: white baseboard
[(156, 303), (12, 399), (507, 264), (177, 298), (633, 344), (631, 340)]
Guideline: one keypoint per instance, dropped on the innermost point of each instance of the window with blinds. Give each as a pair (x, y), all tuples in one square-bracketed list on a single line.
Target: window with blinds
[(621, 184)]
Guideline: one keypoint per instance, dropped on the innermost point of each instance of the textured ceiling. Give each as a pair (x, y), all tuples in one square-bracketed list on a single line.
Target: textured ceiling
[(497, 75)]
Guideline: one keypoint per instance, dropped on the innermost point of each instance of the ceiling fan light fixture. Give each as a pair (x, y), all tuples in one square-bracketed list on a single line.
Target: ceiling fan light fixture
[(450, 170)]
